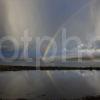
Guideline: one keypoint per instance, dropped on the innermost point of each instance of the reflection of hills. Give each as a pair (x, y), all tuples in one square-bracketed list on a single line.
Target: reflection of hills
[(90, 98)]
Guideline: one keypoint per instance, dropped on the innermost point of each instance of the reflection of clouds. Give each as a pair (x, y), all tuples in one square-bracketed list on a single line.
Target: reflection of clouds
[(58, 83), (84, 73), (94, 80), (92, 77), (62, 83)]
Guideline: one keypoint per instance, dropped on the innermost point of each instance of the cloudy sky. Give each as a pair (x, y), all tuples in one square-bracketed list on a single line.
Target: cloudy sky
[(48, 17), (44, 16)]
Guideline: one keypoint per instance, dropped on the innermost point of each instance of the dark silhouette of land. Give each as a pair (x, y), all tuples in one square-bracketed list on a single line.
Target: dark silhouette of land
[(44, 68)]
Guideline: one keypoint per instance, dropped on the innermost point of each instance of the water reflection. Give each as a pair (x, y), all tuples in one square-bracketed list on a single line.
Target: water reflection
[(38, 84)]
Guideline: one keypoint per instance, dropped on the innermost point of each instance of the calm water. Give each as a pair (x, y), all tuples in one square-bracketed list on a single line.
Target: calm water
[(44, 85)]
